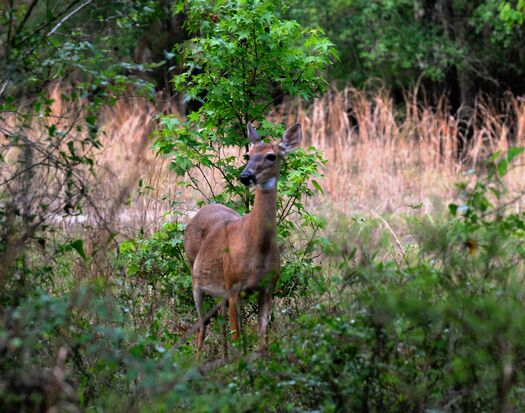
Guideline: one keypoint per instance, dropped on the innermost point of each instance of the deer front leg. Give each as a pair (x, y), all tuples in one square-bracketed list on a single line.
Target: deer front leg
[(198, 296), (265, 305), (234, 314)]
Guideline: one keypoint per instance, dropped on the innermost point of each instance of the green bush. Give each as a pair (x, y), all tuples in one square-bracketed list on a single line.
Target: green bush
[(159, 262)]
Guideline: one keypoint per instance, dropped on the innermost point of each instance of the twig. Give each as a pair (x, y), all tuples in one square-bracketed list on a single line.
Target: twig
[(202, 369), (67, 16), (43, 26), (10, 28), (284, 94), (26, 16), (212, 365), (206, 179), (3, 87), (505, 205), (387, 225)]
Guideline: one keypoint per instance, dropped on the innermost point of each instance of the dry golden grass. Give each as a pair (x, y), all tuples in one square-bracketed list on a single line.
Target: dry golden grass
[(387, 158), (380, 157)]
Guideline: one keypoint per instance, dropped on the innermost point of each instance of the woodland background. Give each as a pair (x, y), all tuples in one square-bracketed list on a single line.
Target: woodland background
[(401, 220)]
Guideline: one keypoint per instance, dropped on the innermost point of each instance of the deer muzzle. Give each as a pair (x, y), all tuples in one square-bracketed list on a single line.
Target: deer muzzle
[(248, 177)]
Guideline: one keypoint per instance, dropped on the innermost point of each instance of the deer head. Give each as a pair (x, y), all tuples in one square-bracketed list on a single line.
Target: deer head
[(264, 158)]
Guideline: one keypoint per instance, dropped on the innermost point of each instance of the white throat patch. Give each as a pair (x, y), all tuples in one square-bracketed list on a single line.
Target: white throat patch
[(269, 184)]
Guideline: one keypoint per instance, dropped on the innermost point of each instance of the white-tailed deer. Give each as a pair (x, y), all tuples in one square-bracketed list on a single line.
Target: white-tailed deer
[(229, 253)]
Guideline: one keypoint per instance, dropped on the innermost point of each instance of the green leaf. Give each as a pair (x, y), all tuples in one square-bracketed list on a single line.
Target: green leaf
[(502, 167), (78, 246), (317, 186), (513, 152), (494, 156)]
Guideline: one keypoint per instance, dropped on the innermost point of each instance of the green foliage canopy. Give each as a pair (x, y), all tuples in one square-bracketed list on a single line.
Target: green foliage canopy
[(463, 46)]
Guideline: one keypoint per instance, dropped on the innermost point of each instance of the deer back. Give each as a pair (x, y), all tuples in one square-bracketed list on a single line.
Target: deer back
[(202, 224)]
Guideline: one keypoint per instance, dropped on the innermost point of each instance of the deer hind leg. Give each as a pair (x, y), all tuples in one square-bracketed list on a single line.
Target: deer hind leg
[(265, 305), (198, 296)]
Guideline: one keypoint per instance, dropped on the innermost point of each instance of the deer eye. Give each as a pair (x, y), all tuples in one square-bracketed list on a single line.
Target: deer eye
[(271, 157), (246, 157)]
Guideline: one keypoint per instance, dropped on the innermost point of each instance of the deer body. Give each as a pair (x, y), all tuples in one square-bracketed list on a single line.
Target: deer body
[(232, 248), (229, 253)]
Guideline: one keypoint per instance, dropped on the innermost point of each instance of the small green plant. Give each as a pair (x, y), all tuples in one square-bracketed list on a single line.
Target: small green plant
[(157, 282)]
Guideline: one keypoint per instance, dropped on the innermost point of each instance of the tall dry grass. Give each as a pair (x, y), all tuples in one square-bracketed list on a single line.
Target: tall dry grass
[(380, 156), (389, 158)]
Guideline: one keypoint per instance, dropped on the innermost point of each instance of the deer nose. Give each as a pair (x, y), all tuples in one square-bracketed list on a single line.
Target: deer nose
[(247, 177)]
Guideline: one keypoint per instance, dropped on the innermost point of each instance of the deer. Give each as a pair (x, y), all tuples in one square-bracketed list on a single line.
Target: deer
[(230, 254)]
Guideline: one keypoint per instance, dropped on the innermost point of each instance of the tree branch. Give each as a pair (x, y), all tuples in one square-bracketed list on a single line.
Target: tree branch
[(26, 16), (66, 17)]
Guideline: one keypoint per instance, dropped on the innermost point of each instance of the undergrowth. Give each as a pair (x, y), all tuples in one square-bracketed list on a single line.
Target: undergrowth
[(436, 326)]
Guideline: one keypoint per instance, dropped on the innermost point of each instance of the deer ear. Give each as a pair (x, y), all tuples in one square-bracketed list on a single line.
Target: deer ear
[(252, 135), (291, 138)]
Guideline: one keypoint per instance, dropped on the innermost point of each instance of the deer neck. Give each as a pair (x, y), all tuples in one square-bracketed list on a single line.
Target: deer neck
[(262, 219)]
